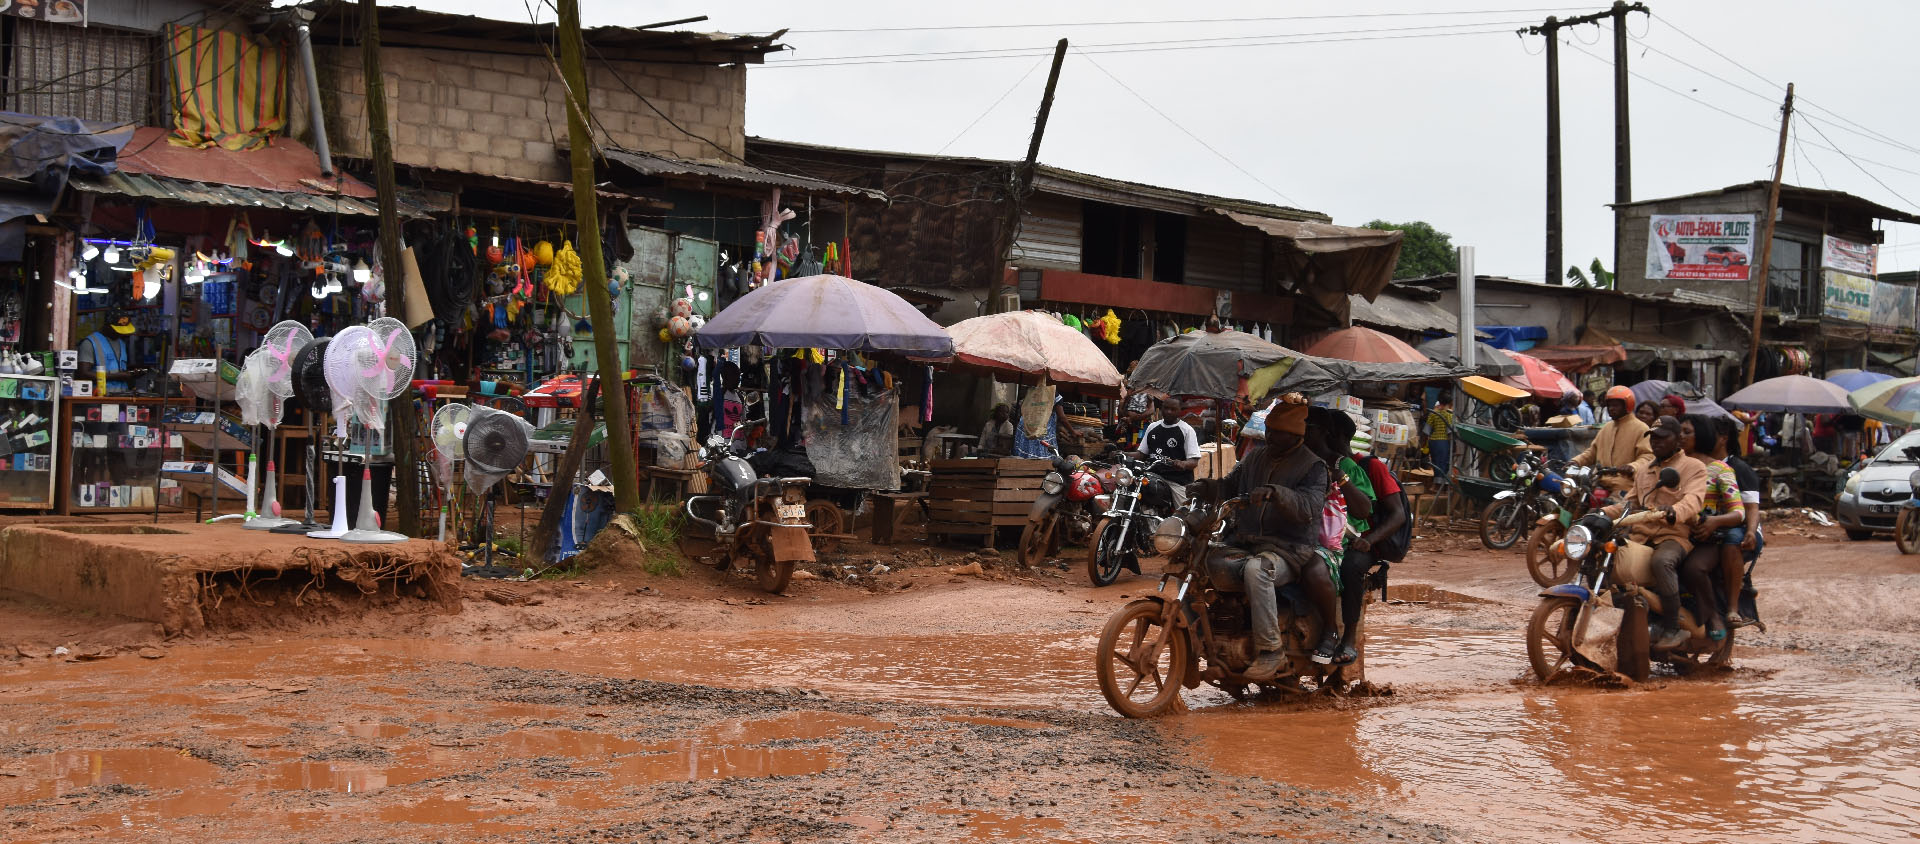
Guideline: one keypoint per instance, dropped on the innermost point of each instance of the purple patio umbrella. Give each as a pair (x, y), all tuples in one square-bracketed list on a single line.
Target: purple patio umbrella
[(1853, 379), (1791, 394), (825, 312)]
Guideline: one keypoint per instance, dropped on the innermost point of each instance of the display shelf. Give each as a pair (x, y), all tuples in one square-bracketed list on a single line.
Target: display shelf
[(30, 449), (113, 447)]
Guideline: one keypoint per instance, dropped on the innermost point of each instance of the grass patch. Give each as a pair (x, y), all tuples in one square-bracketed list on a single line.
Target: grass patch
[(660, 533)]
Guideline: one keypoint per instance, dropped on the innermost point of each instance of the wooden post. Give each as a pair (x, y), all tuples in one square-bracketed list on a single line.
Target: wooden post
[(1023, 182), (400, 411), (1766, 240), (593, 282)]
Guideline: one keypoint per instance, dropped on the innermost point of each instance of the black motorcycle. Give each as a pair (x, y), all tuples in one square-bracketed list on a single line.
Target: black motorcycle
[(1139, 499), (1534, 490), (763, 520)]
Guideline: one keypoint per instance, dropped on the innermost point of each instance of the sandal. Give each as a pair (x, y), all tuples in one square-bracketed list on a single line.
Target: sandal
[(1323, 655), (1347, 655)]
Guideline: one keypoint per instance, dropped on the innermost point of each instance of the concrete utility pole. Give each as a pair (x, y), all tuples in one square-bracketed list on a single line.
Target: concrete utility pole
[(593, 281), (1766, 240), (1023, 181), (1467, 330), (400, 412), (1622, 141)]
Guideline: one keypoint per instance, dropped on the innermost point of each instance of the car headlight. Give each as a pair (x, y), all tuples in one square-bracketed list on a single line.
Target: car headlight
[(1122, 476), (1578, 540), (1168, 535), (1853, 484), (1052, 483)]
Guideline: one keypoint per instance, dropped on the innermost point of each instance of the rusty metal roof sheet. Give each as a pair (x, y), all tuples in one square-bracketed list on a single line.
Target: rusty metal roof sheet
[(654, 164), (186, 192), (338, 22), (285, 175)]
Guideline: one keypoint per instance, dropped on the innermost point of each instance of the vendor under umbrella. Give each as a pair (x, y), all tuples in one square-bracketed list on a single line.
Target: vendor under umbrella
[(106, 351)]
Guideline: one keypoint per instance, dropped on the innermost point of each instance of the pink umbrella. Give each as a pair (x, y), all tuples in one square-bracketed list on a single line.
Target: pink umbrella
[(1364, 345), (1029, 346), (1539, 378)]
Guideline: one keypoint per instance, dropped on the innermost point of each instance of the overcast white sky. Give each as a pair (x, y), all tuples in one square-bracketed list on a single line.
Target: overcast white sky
[(1449, 129)]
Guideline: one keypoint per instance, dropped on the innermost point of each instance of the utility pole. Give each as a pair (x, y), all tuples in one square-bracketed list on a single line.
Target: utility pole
[(593, 281), (1023, 181), (1622, 143), (401, 413), (1766, 240)]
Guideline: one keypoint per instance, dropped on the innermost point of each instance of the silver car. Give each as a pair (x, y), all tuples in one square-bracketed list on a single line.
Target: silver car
[(1875, 492)]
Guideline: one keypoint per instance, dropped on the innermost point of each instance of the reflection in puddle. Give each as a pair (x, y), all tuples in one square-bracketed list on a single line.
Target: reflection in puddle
[(373, 729), (154, 768), (720, 763), (792, 725), (1806, 759), (344, 776)]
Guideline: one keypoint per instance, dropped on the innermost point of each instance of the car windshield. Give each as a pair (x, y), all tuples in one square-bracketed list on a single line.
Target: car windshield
[(1896, 454)]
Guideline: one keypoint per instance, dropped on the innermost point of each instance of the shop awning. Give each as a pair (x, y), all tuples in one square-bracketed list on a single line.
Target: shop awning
[(1394, 311), (1643, 348), (1577, 359), (1517, 338), (282, 176), (653, 164), (1360, 261)]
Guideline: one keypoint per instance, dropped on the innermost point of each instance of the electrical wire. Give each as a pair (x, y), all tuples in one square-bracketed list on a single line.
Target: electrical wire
[(621, 78), (1815, 126), (965, 27), (1183, 130)]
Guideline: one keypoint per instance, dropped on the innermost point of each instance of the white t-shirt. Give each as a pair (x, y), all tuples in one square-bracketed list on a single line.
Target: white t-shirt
[(1175, 442)]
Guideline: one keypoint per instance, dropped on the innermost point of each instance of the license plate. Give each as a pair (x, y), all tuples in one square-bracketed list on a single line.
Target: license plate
[(792, 511), (1884, 508)]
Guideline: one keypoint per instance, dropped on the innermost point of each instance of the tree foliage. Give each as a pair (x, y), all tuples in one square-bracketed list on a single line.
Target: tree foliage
[(1600, 280), (1425, 251)]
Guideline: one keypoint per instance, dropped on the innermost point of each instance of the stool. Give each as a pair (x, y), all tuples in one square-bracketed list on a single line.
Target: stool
[(673, 479), (889, 508)]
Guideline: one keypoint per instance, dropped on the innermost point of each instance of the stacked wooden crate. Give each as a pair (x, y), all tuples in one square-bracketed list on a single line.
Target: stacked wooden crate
[(973, 497)]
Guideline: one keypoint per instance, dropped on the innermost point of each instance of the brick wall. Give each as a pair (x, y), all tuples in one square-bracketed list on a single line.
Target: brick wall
[(505, 115)]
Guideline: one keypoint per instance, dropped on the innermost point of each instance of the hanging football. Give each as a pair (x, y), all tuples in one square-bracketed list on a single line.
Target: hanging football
[(680, 327)]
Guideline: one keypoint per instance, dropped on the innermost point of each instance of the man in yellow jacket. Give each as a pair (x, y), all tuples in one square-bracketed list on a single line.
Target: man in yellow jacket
[(1623, 440)]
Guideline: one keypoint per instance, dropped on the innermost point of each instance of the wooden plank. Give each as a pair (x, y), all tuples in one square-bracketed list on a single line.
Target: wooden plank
[(1016, 494), (1009, 521), (962, 506), (1020, 483), (1012, 508), (1017, 464), (959, 530), (964, 464)]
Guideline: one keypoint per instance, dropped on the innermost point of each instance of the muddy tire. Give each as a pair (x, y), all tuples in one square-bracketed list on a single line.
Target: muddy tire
[(1140, 662), (1906, 531), (1550, 636), (1632, 644), (1545, 566), (773, 576), (1039, 540), (1722, 657), (1105, 555), (827, 523), (1503, 523)]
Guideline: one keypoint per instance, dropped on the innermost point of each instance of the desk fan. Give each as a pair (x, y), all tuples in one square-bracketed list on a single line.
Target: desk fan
[(449, 432), (495, 444), (309, 382), (275, 357)]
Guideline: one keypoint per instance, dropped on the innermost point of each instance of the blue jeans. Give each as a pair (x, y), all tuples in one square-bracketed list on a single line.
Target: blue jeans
[(1737, 534), (1442, 458)]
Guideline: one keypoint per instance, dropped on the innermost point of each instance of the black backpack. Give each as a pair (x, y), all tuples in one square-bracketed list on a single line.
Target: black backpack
[(1394, 548)]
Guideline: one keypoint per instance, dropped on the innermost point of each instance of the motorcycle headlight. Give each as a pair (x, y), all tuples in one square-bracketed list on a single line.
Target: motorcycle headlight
[(1168, 535), (1913, 480), (1523, 470), (1578, 541), (1569, 487), (1052, 483), (1122, 476)]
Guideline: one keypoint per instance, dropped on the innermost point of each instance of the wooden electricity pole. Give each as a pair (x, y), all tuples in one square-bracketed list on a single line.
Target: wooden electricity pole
[(1766, 240), (400, 411), (1023, 181), (593, 282)]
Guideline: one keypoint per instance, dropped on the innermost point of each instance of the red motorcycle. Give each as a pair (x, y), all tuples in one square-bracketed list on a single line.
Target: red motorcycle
[(1072, 499)]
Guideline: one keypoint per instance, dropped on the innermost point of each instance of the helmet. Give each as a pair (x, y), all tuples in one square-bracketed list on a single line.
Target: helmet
[(1621, 393)]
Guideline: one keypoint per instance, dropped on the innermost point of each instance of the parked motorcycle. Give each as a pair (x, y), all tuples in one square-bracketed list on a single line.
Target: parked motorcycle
[(1071, 502), (1528, 496), (1137, 502), (1906, 528), (763, 520), (1153, 647), (1600, 620), (1544, 561)]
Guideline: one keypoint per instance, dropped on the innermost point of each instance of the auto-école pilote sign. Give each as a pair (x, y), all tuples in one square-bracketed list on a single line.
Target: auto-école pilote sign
[(1707, 246)]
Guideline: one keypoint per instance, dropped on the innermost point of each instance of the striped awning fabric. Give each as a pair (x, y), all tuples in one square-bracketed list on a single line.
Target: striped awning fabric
[(228, 89)]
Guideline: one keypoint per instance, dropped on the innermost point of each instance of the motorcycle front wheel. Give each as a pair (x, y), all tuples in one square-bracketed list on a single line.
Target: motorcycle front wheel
[(1503, 523), (1106, 555), (1140, 662), (1037, 540), (1547, 566), (773, 576), (1906, 531), (1550, 636)]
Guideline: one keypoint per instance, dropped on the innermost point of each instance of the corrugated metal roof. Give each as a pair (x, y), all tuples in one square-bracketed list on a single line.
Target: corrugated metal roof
[(653, 164), (338, 22), (184, 192), (1395, 311)]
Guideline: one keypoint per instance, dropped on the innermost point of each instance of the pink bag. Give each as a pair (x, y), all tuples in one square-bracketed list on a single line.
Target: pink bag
[(1333, 519)]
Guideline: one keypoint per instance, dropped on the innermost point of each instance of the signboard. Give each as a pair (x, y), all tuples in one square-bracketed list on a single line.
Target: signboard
[(1849, 297), (1893, 306), (1703, 246), (1849, 257), (53, 11)]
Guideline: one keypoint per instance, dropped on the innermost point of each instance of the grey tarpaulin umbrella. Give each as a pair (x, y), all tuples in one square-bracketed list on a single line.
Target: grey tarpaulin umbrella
[(826, 312), (1487, 359), (1199, 363)]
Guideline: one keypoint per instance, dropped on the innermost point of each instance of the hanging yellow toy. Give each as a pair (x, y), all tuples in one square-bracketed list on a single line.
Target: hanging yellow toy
[(564, 276)]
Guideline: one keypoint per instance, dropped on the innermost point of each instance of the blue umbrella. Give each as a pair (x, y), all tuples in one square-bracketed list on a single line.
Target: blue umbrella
[(1854, 379)]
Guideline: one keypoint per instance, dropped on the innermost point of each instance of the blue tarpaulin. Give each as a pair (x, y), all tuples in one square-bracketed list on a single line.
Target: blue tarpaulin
[(42, 152), (1517, 338)]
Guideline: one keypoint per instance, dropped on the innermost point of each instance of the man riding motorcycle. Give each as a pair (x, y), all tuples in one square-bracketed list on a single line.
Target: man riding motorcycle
[(1622, 440), (1286, 486), (1171, 439), (1670, 538)]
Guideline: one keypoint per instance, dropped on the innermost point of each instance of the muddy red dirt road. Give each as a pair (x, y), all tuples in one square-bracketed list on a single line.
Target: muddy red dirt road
[(930, 707)]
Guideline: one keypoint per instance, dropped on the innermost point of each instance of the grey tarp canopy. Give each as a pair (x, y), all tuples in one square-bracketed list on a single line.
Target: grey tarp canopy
[(1202, 364), (1487, 359)]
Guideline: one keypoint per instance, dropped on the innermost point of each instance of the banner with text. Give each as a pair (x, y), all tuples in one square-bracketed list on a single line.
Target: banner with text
[(1893, 306), (1849, 257), (52, 11), (1705, 246), (1849, 297)]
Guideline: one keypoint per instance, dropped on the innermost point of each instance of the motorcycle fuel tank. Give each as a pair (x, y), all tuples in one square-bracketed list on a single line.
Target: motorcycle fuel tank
[(731, 473)]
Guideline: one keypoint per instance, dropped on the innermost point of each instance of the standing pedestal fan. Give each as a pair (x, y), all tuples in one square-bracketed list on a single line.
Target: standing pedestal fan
[(250, 393), (341, 363), (449, 431), (309, 381), (373, 366), (496, 442), (275, 357)]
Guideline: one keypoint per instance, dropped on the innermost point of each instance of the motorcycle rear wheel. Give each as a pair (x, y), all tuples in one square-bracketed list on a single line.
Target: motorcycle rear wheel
[(1141, 663), (1503, 523), (1550, 636), (1547, 567), (1906, 531), (773, 576), (1039, 540), (1105, 556)]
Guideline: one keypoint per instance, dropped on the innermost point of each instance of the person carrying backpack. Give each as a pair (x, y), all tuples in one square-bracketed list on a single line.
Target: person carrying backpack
[(1383, 536)]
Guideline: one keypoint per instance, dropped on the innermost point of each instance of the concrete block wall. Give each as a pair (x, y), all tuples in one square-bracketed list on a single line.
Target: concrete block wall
[(505, 115)]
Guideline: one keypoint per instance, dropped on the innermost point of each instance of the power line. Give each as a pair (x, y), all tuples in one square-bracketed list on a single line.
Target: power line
[(1183, 130), (1815, 125), (964, 27), (1027, 52), (989, 110)]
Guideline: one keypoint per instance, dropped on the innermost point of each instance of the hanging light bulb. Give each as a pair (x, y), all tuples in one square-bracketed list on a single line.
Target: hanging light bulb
[(91, 252), (319, 291), (333, 284), (80, 284), (284, 250), (113, 254), (361, 272), (149, 286), (196, 273)]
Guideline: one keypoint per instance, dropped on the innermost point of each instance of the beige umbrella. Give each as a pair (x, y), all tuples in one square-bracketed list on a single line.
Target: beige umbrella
[(1031, 346)]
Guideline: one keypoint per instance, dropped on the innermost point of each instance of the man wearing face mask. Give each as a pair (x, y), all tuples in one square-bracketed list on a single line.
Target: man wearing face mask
[(1286, 485), (1671, 537)]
